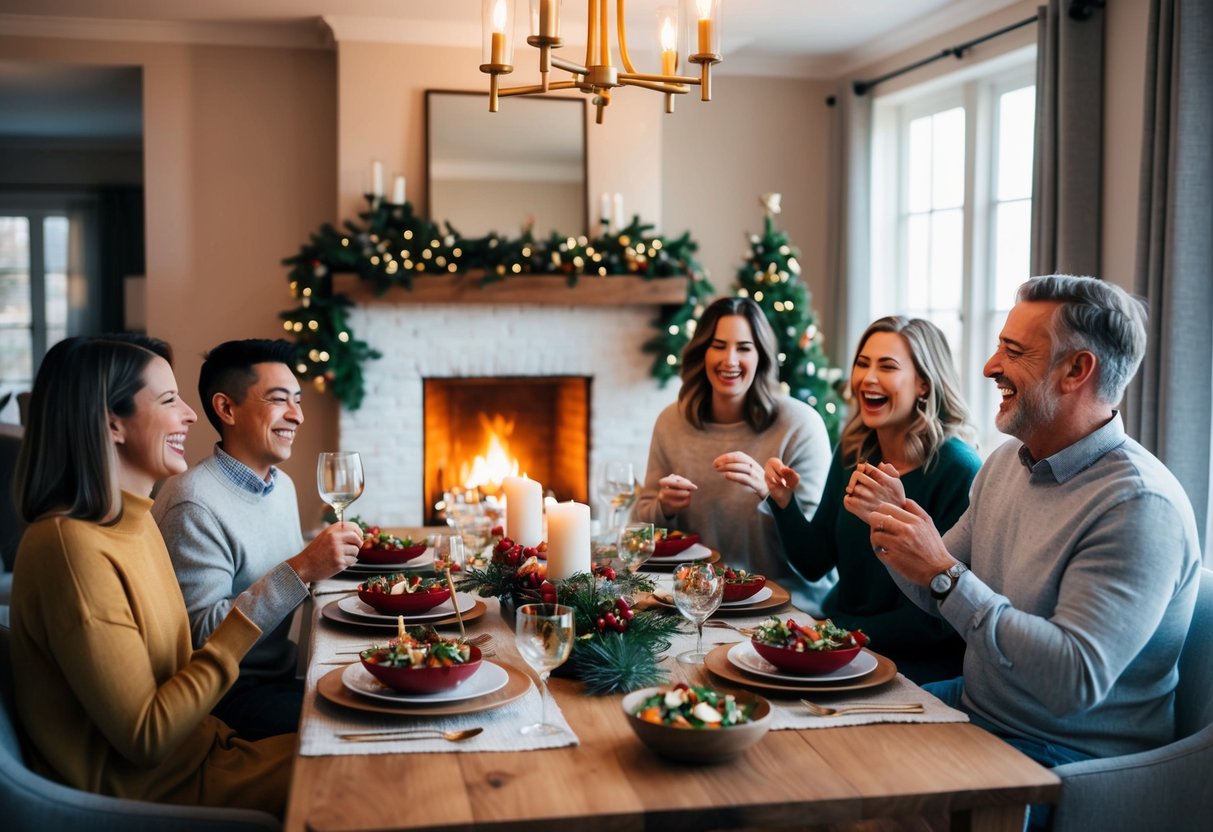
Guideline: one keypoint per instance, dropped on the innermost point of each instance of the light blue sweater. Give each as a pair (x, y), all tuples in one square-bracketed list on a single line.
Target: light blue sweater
[(1084, 574), (229, 548)]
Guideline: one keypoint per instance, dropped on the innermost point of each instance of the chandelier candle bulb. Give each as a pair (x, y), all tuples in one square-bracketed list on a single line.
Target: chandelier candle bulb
[(523, 510), (568, 540), (548, 18)]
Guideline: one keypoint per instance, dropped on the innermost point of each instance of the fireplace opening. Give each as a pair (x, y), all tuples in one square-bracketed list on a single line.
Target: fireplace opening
[(480, 430)]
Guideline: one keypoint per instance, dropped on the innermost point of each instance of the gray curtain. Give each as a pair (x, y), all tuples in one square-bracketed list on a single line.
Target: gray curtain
[(1068, 171), (1170, 405), (847, 253)]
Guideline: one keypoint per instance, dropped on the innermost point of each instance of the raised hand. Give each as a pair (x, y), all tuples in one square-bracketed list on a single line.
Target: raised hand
[(330, 552), (872, 485), (781, 481), (674, 493), (905, 539), (740, 467)]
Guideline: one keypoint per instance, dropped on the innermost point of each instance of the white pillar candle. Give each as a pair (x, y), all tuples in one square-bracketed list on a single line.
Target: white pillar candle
[(398, 191), (618, 223), (604, 210), (523, 510), (568, 540), (376, 178)]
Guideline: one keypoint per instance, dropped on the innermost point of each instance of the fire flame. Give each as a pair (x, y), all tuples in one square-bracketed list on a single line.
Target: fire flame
[(487, 470)]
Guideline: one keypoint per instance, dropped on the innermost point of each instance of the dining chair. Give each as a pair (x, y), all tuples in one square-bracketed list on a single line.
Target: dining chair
[(1164, 788), (29, 801)]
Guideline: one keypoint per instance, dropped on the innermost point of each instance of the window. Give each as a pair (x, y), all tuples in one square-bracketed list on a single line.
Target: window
[(951, 216), (33, 296)]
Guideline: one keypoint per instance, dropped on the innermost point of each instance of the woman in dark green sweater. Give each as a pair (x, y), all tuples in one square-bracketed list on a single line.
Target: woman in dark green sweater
[(910, 421)]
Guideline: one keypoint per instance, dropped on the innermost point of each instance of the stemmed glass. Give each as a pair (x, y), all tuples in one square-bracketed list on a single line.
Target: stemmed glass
[(617, 487), (697, 593), (339, 479), (544, 635), (636, 545), (449, 554)]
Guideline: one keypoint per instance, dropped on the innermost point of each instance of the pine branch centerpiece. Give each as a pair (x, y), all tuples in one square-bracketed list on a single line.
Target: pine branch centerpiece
[(618, 648)]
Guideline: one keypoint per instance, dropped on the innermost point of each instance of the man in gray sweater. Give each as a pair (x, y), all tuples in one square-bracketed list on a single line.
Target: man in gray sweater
[(231, 524), (1072, 576)]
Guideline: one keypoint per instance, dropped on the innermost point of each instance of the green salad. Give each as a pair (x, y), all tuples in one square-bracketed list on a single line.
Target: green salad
[(822, 635), (683, 706)]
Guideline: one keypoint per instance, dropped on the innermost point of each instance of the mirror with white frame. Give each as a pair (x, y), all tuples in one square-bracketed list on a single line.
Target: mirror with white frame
[(498, 172)]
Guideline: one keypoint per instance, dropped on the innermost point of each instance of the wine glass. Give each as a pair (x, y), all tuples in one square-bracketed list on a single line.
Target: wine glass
[(636, 545), (462, 503), (544, 635), (617, 486), (449, 554), (697, 593), (339, 479)]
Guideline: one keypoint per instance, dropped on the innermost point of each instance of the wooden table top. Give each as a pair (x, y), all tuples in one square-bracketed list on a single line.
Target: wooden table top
[(613, 782)]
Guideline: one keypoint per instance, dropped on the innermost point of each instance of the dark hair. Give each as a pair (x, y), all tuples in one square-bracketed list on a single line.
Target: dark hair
[(67, 463), (695, 397), (228, 369), (938, 416), (1096, 316)]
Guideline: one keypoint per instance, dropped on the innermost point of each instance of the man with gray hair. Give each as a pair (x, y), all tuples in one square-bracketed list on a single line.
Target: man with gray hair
[(1072, 576)]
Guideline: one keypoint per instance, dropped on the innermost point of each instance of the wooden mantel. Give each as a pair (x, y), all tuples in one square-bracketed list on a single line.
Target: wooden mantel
[(547, 290)]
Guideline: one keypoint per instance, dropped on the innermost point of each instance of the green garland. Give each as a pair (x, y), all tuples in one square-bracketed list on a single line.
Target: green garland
[(391, 246)]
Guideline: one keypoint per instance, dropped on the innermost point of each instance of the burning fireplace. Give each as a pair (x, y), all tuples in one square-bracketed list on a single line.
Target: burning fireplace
[(478, 430)]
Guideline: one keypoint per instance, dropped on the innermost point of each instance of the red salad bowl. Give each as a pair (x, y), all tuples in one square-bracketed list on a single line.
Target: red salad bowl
[(809, 662), (672, 546), (406, 603), (426, 679), (743, 590), (378, 556)]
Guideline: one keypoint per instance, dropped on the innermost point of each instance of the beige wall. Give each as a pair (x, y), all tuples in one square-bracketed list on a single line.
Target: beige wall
[(757, 135), (239, 145)]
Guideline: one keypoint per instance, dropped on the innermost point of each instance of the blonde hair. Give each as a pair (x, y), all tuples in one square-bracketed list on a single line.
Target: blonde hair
[(938, 416)]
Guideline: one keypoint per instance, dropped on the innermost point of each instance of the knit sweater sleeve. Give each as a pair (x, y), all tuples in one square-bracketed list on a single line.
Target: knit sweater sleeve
[(810, 545), (106, 661), (205, 562), (648, 507)]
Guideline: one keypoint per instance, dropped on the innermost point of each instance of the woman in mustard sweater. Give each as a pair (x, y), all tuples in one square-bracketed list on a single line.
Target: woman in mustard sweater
[(108, 687)]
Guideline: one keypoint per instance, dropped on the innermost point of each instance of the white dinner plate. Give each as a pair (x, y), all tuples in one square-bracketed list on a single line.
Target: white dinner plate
[(423, 561), (488, 679), (744, 656), (757, 598), (355, 606), (696, 551)]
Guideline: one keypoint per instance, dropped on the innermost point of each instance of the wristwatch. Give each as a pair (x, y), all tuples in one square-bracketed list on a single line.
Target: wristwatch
[(945, 581)]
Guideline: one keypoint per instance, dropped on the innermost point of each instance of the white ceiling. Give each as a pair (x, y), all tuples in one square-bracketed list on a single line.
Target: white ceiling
[(793, 38)]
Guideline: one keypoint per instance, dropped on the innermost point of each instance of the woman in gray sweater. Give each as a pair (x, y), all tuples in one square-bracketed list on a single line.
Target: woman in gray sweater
[(704, 476)]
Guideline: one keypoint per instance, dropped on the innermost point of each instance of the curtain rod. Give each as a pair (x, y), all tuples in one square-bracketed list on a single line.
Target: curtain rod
[(862, 88), (1076, 9)]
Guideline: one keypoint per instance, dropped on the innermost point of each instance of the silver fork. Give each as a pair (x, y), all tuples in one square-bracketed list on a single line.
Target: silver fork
[(719, 624), (868, 708)]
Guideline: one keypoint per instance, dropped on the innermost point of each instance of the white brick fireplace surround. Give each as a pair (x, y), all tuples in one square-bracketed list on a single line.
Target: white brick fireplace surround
[(424, 340)]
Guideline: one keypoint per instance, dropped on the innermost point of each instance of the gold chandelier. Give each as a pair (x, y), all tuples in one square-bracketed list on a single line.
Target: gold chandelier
[(599, 76)]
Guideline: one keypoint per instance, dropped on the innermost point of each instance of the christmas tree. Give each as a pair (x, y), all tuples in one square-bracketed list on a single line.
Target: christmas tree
[(771, 276)]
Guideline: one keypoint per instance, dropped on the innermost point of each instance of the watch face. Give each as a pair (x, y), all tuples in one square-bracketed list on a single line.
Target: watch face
[(941, 583)]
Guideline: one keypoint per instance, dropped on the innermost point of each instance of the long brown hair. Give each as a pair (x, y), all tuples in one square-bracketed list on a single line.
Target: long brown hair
[(67, 463), (695, 397), (938, 415)]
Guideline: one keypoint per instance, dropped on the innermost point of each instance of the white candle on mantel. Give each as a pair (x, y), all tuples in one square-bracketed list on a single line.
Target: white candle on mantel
[(604, 209), (398, 191), (376, 178), (618, 222), (523, 510), (568, 540)]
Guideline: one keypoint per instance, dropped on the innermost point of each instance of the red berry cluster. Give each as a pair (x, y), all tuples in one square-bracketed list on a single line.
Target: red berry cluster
[(512, 554), (547, 592), (605, 571), (616, 617)]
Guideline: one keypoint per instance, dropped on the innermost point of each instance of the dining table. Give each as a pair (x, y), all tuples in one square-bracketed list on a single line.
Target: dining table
[(603, 779)]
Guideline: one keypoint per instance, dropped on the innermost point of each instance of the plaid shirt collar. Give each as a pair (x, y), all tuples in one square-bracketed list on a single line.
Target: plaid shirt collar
[(242, 476)]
